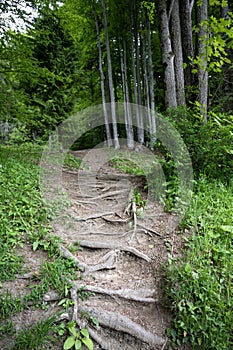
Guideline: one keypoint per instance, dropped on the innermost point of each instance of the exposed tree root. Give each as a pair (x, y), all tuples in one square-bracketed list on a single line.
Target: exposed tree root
[(108, 263), (109, 194), (122, 323), (149, 230), (117, 221), (103, 245), (140, 295), (94, 216)]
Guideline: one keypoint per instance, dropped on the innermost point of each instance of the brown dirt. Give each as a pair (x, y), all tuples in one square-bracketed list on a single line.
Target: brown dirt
[(96, 178)]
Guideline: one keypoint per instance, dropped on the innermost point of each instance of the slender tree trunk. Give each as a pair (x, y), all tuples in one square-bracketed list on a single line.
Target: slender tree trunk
[(129, 111), (186, 7), (146, 85), (151, 83), (167, 55), (202, 15), (136, 74), (112, 97), (108, 133), (177, 49)]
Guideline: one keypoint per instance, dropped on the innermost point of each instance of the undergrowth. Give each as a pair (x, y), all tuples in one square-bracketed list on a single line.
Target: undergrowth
[(25, 221), (200, 284)]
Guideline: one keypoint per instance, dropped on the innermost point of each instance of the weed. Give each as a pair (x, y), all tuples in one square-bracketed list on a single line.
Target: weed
[(77, 338), (35, 336), (9, 305)]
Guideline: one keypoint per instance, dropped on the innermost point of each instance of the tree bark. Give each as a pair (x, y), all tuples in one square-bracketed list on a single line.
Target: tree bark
[(187, 43), (111, 88), (108, 133), (177, 49), (151, 83), (167, 55), (202, 15), (136, 74)]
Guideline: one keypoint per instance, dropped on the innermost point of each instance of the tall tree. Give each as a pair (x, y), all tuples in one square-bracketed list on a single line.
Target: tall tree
[(102, 78), (167, 55), (110, 76), (202, 49), (178, 54)]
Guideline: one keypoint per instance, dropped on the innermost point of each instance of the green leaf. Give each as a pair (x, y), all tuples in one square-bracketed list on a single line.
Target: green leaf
[(88, 342), (84, 332), (78, 344), (227, 228), (73, 331), (95, 321), (35, 245), (69, 343)]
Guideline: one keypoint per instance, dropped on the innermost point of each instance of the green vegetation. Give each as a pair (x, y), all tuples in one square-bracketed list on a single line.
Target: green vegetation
[(77, 339), (200, 284), (35, 336), (25, 222)]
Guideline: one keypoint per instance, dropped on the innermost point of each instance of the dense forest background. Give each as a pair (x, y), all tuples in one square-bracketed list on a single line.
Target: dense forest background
[(169, 56)]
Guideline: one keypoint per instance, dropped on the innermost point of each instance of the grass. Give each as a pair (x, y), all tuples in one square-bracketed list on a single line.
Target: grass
[(25, 220), (200, 285)]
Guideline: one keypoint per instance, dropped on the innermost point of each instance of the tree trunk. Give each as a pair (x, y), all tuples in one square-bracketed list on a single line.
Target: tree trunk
[(187, 43), (202, 15), (128, 119), (129, 111), (177, 49), (151, 83), (111, 88), (108, 133), (167, 55), (136, 75)]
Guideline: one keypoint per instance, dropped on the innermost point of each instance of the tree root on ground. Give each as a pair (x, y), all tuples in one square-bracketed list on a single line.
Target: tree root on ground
[(94, 216), (104, 245), (149, 230), (121, 323), (140, 295), (109, 261)]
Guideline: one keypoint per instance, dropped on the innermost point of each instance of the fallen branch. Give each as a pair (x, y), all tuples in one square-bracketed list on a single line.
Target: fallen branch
[(124, 324), (140, 295), (103, 245)]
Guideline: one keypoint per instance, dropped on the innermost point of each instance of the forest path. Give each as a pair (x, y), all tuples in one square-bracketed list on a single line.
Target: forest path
[(122, 253)]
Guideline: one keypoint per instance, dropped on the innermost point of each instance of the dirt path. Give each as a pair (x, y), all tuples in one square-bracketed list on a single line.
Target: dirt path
[(120, 255), (122, 258)]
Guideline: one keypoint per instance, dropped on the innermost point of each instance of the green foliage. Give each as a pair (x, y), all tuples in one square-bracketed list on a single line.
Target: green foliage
[(209, 145), (200, 284), (35, 336), (9, 305), (77, 339), (20, 205), (215, 147), (126, 165), (72, 162)]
